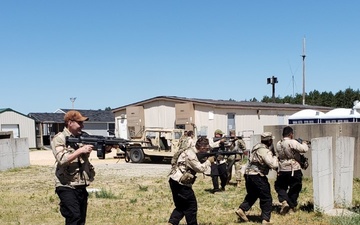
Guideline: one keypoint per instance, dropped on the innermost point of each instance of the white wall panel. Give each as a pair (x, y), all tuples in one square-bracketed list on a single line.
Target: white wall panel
[(26, 125)]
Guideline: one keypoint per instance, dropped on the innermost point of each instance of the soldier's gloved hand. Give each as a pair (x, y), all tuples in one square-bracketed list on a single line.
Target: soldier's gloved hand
[(211, 159), (220, 157), (108, 148)]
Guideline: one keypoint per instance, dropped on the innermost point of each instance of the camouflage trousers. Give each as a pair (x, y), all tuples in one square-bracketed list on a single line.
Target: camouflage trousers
[(236, 162), (237, 167)]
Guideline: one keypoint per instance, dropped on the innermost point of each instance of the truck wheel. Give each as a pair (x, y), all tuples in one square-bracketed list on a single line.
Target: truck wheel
[(157, 159), (137, 155)]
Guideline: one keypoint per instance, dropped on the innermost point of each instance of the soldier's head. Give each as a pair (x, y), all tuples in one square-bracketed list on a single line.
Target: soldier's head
[(202, 144), (218, 133), (288, 132), (190, 133), (74, 121), (232, 133), (267, 138)]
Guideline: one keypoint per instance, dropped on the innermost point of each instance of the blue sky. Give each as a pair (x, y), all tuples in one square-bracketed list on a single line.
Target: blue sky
[(114, 53)]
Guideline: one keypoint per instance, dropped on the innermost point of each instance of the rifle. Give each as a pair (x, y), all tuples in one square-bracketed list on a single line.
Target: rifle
[(202, 155), (300, 140), (100, 143), (227, 138)]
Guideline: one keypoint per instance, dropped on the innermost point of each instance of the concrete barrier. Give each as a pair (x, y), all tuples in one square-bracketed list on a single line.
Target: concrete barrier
[(14, 152)]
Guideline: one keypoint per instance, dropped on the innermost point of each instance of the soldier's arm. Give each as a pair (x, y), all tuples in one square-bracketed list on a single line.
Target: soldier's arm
[(270, 159), (213, 144), (62, 154), (242, 144), (301, 148), (195, 164)]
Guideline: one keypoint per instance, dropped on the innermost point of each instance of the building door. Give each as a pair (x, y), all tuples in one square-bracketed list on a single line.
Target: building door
[(122, 126), (230, 123), (11, 127)]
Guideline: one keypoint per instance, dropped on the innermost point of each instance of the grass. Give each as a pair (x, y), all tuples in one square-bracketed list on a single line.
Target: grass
[(27, 197)]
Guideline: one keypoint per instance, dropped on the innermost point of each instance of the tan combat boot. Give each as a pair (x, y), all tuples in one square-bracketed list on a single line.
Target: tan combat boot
[(266, 222), (240, 213), (284, 208), (291, 211), (238, 183)]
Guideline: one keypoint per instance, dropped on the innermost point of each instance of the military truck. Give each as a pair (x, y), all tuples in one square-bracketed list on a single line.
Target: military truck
[(155, 143)]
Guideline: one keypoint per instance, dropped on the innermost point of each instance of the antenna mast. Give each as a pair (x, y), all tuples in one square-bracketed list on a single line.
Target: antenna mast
[(303, 57), (72, 101)]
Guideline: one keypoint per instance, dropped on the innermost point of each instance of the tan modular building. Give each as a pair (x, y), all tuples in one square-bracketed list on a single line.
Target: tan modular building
[(19, 124), (246, 118)]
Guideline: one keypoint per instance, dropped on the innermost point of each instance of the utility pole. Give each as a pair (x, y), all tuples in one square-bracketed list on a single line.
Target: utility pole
[(303, 58), (72, 101), (272, 80)]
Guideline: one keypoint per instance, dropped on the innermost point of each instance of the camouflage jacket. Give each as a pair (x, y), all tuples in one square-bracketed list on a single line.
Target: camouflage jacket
[(286, 150), (186, 161), (261, 161)]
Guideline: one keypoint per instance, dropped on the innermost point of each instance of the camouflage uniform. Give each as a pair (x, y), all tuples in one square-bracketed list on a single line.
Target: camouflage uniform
[(289, 180), (182, 177), (236, 160), (219, 168), (261, 161)]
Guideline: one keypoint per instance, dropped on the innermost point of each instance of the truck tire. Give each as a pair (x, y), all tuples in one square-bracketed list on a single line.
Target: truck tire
[(157, 159), (137, 155)]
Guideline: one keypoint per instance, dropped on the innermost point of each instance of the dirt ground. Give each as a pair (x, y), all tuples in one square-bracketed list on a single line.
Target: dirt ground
[(109, 165)]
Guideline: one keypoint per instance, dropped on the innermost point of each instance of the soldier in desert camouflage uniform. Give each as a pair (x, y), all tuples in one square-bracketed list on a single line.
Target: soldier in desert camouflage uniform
[(261, 160)]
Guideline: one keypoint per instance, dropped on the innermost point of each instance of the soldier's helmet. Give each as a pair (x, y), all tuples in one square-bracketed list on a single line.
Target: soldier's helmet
[(218, 131), (267, 136)]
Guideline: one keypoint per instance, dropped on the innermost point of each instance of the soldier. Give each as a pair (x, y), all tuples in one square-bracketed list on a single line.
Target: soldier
[(239, 146), (219, 168), (182, 177), (261, 160), (289, 180), (73, 171), (189, 141)]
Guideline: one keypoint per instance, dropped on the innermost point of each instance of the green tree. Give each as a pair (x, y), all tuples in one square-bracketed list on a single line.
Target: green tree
[(341, 99)]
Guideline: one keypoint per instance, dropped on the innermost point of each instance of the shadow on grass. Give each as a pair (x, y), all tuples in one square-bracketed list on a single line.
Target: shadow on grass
[(307, 207), (232, 183), (253, 218), (355, 209)]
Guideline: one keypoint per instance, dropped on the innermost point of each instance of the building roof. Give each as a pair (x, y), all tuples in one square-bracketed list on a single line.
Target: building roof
[(357, 105), (341, 113), (48, 117), (2, 110), (58, 117), (306, 114), (225, 104)]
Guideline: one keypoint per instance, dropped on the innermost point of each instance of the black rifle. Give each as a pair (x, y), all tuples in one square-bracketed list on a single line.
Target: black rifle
[(100, 143), (227, 138), (202, 155), (300, 140)]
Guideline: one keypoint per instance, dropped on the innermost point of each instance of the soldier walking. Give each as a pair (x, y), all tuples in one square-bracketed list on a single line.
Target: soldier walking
[(262, 159), (289, 180)]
